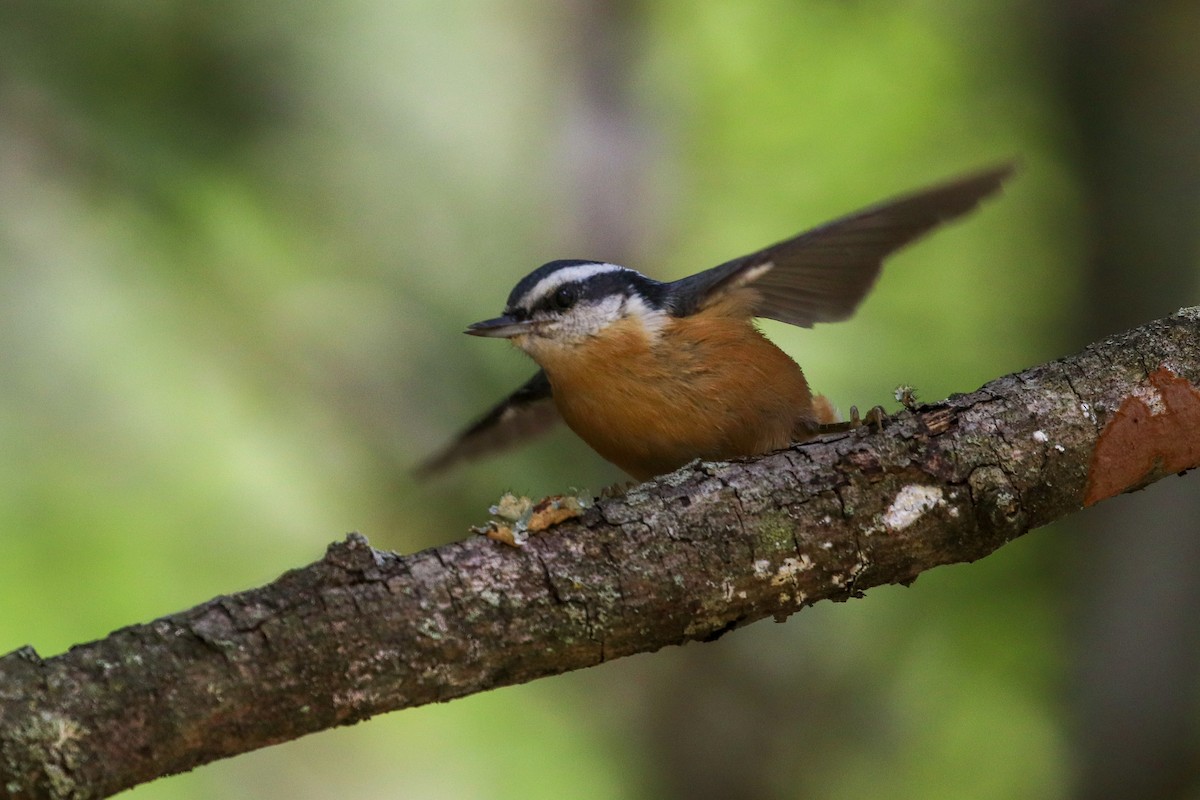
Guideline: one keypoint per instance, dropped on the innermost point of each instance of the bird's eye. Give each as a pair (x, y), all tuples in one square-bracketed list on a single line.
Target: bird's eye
[(564, 298)]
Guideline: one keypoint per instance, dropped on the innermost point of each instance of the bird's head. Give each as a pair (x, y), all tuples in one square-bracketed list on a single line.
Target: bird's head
[(565, 304)]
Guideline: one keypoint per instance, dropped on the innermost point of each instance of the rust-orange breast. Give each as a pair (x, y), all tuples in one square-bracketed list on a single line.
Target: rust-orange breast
[(708, 386)]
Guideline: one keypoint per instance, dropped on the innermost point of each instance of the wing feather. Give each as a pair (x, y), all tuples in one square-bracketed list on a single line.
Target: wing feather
[(524, 414), (823, 274)]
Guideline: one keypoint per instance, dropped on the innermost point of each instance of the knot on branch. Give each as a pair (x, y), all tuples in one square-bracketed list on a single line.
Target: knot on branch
[(354, 554), (997, 501)]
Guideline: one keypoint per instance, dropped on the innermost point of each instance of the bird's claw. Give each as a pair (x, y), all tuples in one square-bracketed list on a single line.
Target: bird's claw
[(876, 418)]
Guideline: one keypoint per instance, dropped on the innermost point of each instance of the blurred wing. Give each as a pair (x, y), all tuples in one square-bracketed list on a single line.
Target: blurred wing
[(524, 414), (823, 274)]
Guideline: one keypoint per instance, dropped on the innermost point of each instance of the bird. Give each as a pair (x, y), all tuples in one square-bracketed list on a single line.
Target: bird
[(654, 375)]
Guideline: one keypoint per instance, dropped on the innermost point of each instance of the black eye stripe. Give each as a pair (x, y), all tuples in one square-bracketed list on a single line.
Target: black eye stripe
[(562, 298)]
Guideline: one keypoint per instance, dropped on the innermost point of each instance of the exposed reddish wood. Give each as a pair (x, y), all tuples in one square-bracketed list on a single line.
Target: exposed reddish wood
[(1155, 431)]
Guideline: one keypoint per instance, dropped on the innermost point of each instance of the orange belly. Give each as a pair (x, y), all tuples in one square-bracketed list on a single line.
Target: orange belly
[(710, 388)]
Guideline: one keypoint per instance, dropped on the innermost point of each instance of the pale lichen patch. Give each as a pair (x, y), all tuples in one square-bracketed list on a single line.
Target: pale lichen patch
[(48, 745), (910, 505), (1151, 397), (790, 568)]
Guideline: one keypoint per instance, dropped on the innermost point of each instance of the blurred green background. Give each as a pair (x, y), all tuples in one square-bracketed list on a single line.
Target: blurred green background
[(238, 242)]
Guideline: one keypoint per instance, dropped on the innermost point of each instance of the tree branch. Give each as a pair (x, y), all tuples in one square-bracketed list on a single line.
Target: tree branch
[(687, 557)]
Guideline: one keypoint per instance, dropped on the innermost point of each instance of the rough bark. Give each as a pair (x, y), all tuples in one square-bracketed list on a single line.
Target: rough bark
[(687, 557)]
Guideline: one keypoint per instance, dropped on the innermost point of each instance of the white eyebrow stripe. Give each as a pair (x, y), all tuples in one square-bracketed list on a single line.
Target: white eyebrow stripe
[(565, 275)]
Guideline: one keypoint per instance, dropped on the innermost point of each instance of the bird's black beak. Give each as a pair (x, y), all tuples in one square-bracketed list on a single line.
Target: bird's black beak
[(504, 327)]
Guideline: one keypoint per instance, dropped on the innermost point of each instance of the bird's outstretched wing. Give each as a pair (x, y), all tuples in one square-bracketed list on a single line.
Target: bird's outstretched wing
[(823, 274), (525, 413)]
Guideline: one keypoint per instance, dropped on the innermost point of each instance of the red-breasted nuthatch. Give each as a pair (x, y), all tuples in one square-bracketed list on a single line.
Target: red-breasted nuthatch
[(653, 375)]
